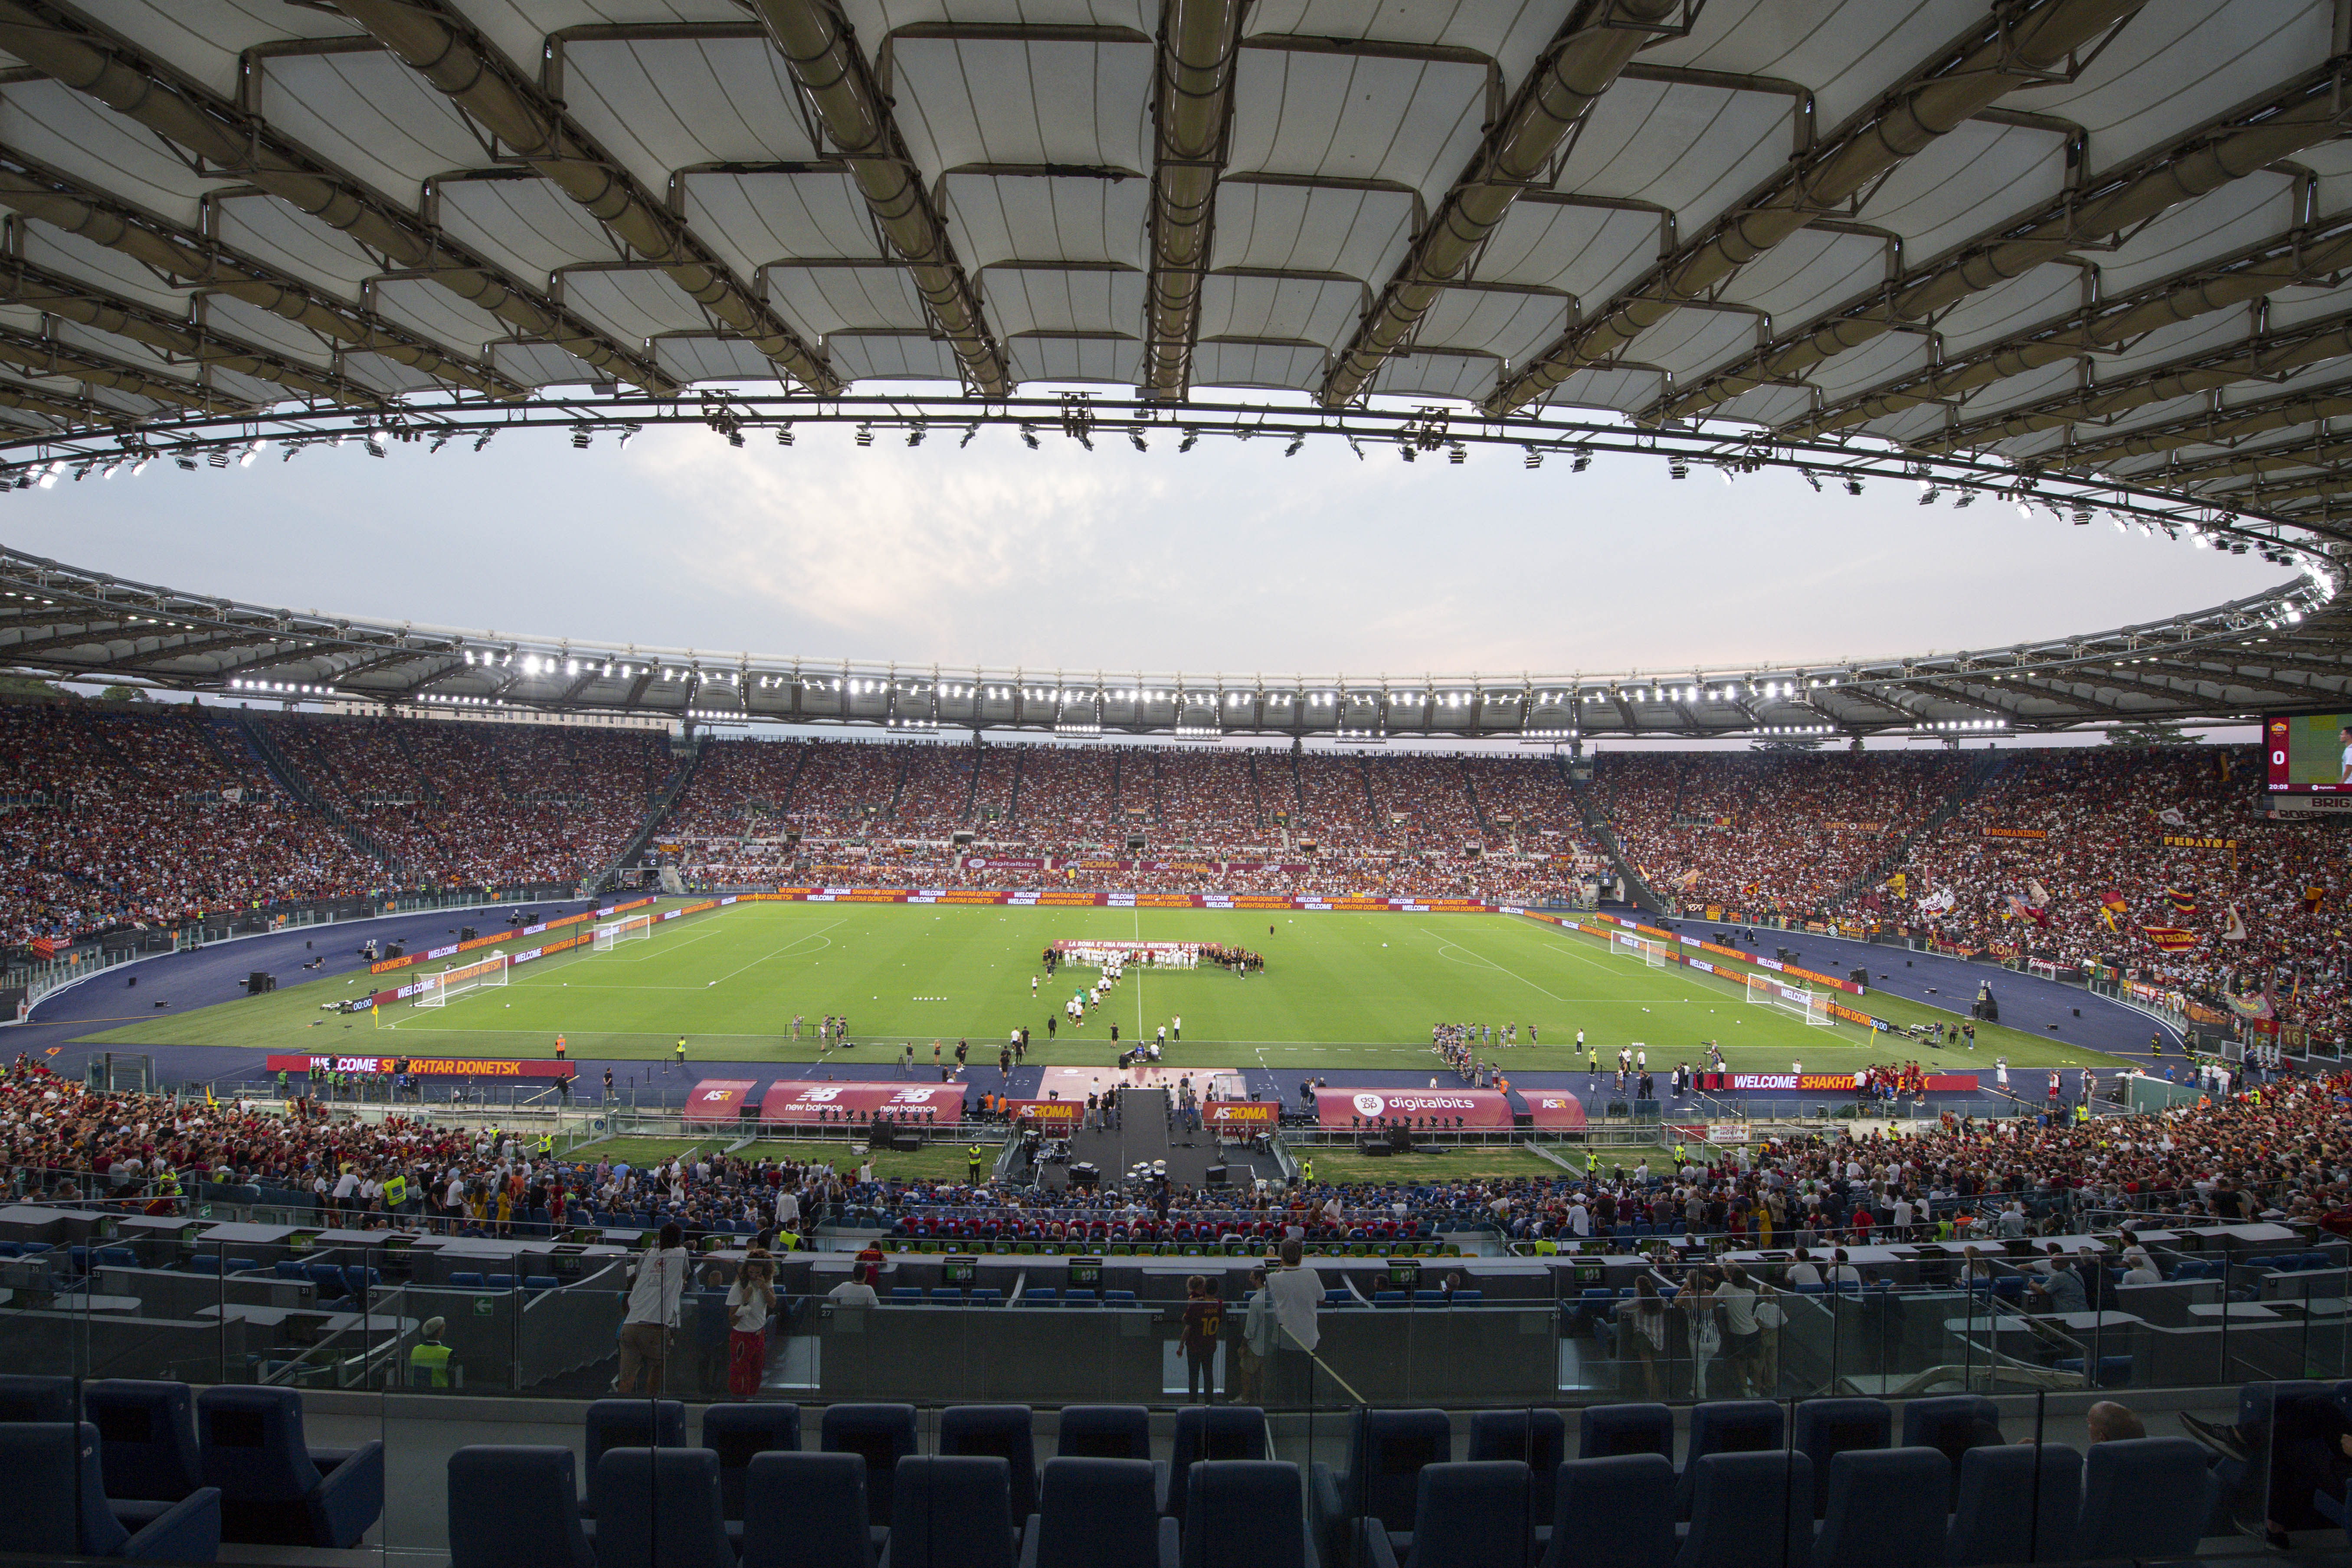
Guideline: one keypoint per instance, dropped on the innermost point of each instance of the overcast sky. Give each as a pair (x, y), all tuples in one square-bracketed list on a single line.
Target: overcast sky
[(1229, 557)]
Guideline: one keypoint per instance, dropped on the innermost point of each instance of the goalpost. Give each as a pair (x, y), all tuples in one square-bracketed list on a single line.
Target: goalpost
[(1811, 1006), (437, 990), (635, 928), (1652, 953)]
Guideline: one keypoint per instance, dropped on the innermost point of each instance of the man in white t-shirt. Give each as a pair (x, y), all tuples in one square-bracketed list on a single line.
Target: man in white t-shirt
[(857, 1290), (1297, 1292), (653, 1313)]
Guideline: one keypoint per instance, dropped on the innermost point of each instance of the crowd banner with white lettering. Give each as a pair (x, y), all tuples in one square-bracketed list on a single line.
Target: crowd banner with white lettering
[(1242, 1115), (1351, 1106), (798, 1099), (1552, 1109), (425, 1067), (719, 1098)]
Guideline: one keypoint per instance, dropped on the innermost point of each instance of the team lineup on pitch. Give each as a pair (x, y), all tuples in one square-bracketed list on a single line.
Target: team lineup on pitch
[(1337, 990)]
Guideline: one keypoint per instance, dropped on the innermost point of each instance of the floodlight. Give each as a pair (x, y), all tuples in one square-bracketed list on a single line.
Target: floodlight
[(969, 432), (1190, 436), (1134, 439), (1292, 450), (1678, 469), (865, 434), (1853, 487), (784, 434), (581, 437), (1029, 438), (1583, 461), (915, 433), (1534, 460)]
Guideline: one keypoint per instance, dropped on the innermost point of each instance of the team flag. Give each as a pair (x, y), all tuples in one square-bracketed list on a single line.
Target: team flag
[(2236, 930), (2222, 759), (2183, 903), (2313, 898), (2113, 899), (2108, 915), (2171, 939)]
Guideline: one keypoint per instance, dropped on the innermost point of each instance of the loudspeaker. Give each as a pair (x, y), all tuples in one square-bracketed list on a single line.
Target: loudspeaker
[(466, 933), (1216, 1176), (1377, 1151), (260, 980)]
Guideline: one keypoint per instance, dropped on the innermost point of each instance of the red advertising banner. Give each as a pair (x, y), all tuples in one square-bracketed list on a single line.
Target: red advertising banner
[(1552, 1108), (1066, 1113), (797, 1100), (425, 1067), (719, 1099), (1349, 1106), (517, 934), (1242, 1115)]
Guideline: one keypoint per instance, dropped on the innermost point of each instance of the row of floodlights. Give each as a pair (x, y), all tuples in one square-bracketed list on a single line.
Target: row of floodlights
[(281, 688)]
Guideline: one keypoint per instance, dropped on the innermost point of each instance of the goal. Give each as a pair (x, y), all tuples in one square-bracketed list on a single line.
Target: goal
[(1652, 953), (631, 930), (438, 990), (1811, 1006)]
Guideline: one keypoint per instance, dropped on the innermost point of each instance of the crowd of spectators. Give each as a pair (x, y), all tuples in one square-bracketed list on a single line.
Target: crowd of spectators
[(111, 818)]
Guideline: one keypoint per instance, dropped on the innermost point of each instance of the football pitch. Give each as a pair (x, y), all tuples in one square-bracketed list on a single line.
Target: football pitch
[(1338, 990)]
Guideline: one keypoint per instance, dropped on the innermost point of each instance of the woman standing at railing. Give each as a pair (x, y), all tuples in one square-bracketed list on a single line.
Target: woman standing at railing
[(751, 1302)]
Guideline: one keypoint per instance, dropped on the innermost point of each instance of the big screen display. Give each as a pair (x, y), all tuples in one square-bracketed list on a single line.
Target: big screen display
[(2309, 753)]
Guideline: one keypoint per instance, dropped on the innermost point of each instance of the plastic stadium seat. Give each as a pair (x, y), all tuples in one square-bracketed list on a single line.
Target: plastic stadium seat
[(804, 1510), (1727, 1426), (511, 1504), (1079, 1298), (1538, 1439), (146, 1439), (621, 1423), (1470, 1516), (541, 1284), (59, 1507), (1951, 1424), (1615, 1513), (1885, 1510), (1429, 1298), (1099, 1514), (1040, 1296), (1748, 1511), (740, 1433), (116, 1258), (1002, 1430), (987, 1296), (37, 1397), (2144, 1497), (1828, 1427), (660, 1507), (1206, 1433), (1607, 1431), (1118, 1297), (330, 1283), (882, 1435), (948, 1294), (1387, 1450), (2018, 1503), (466, 1279), (1246, 1514), (274, 1489), (952, 1511), (1469, 1298), (907, 1295), (288, 1268)]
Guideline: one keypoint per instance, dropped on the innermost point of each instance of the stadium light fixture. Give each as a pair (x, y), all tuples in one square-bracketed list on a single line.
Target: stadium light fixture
[(483, 439), (864, 433), (1029, 438), (969, 432), (1534, 459), (1928, 494), (581, 435), (1457, 453), (1811, 479), (1134, 439), (245, 462), (1853, 487), (1678, 469), (1356, 447), (1190, 436), (916, 432), (784, 434), (630, 432), (1296, 442), (1584, 460)]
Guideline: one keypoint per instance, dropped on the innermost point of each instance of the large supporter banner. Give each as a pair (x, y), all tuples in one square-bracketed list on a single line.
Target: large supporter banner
[(1242, 1115), (719, 1099), (1475, 1107), (797, 1100), (1550, 1107), (426, 1067), (1047, 1113)]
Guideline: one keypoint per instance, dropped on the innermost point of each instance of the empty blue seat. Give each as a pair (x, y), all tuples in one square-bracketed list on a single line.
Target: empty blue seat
[(1730, 1426), (740, 1433), (495, 1281), (882, 1435), (116, 1258), (58, 1505), (1387, 1450), (1606, 1431), (512, 1505), (243, 1265), (2144, 1497), (2114, 1370), (1118, 1297), (1104, 1432), (1040, 1296), (1206, 1433), (632, 1424), (1245, 1513), (1389, 1298), (1469, 1298), (539, 1284), (1078, 1298), (1616, 1512), (1470, 1515), (1885, 1510), (1828, 1427), (806, 1511), (1748, 1511), (1099, 1514), (1004, 1431), (466, 1279), (37, 1397), (204, 1263), (330, 1281), (946, 1293), (1538, 1439), (658, 1507), (1430, 1297), (146, 1437), (907, 1295), (290, 1269), (952, 1511), (274, 1489), (2018, 1503), (1951, 1424)]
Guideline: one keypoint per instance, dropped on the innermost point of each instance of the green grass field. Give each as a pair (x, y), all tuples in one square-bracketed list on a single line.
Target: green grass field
[(1338, 990)]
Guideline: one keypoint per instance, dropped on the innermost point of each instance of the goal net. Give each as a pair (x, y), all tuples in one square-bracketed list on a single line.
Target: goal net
[(1628, 945), (1811, 1006), (631, 930), (439, 990)]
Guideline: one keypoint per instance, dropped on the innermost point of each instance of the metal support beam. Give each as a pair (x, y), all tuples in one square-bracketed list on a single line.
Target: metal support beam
[(2301, 116), (2014, 49), (446, 51), (214, 130), (1192, 110), (816, 40), (1581, 64)]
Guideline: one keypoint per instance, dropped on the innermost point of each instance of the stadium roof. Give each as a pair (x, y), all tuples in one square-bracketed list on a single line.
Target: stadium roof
[(2082, 253)]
